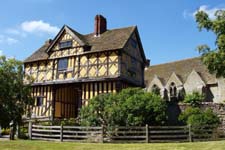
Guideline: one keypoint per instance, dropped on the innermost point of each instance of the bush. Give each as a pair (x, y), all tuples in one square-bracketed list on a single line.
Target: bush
[(24, 133), (197, 117), (58, 122), (5, 131), (69, 122), (130, 107), (194, 99)]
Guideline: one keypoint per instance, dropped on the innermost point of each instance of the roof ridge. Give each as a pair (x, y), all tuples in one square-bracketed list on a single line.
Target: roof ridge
[(112, 30), (176, 61)]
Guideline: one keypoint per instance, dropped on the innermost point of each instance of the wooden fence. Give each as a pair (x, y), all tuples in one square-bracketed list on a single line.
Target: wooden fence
[(66, 133), (126, 134)]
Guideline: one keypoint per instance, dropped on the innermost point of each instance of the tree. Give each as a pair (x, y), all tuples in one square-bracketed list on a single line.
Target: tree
[(14, 94), (213, 58), (130, 107)]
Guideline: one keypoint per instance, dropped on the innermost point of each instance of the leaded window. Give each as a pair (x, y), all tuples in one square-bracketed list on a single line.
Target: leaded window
[(65, 44), (173, 90), (62, 64)]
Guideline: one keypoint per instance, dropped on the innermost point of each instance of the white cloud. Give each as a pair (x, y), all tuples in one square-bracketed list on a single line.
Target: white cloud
[(210, 11), (15, 32), (8, 40), (1, 53), (39, 27)]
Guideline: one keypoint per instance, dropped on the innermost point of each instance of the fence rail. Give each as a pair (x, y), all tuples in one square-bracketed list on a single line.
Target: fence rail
[(126, 134), (66, 133)]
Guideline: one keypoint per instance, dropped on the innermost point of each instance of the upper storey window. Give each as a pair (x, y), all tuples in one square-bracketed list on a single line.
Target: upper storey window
[(62, 64), (65, 44)]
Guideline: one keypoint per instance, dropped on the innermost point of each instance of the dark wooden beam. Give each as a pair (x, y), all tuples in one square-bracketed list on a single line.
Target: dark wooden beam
[(53, 101)]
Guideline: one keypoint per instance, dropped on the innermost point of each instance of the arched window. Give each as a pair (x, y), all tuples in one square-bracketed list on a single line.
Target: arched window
[(165, 94), (155, 89), (173, 91)]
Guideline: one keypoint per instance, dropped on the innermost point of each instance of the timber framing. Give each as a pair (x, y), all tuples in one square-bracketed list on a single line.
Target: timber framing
[(94, 65)]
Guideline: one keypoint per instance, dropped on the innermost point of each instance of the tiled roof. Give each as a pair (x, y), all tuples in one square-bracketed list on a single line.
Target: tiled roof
[(181, 68), (39, 54), (110, 39)]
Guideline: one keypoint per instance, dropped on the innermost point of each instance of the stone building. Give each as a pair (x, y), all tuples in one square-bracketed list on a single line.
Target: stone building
[(72, 68), (172, 80)]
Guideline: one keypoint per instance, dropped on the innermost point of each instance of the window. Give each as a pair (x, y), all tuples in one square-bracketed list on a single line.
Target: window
[(39, 101), (173, 91), (65, 44), (155, 89), (62, 64)]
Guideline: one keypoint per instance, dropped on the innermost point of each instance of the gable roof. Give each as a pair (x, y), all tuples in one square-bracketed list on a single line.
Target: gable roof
[(182, 69), (196, 75), (109, 40), (174, 78), (77, 36), (156, 80)]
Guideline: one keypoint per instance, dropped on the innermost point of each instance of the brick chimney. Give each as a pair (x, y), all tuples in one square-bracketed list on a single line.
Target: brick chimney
[(100, 25)]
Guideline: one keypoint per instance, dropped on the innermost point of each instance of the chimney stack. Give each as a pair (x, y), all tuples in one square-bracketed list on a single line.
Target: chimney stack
[(100, 25)]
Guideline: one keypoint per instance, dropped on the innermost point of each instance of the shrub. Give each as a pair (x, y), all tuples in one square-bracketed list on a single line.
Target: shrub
[(58, 122), (69, 122), (5, 131), (194, 99), (197, 117), (23, 133), (130, 107)]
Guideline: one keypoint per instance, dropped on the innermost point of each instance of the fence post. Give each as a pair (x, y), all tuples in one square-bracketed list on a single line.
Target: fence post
[(0, 131), (61, 133), (147, 133), (102, 134), (189, 133), (30, 130)]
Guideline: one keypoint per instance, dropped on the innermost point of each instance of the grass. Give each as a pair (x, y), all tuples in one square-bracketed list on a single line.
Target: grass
[(44, 145)]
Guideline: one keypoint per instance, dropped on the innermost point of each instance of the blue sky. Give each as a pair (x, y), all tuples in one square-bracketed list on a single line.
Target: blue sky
[(167, 28)]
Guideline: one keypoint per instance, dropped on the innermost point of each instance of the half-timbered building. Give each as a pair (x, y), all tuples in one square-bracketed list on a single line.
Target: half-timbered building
[(73, 68)]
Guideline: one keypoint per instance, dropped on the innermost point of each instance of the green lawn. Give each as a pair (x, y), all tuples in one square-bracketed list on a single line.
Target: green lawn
[(42, 145)]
